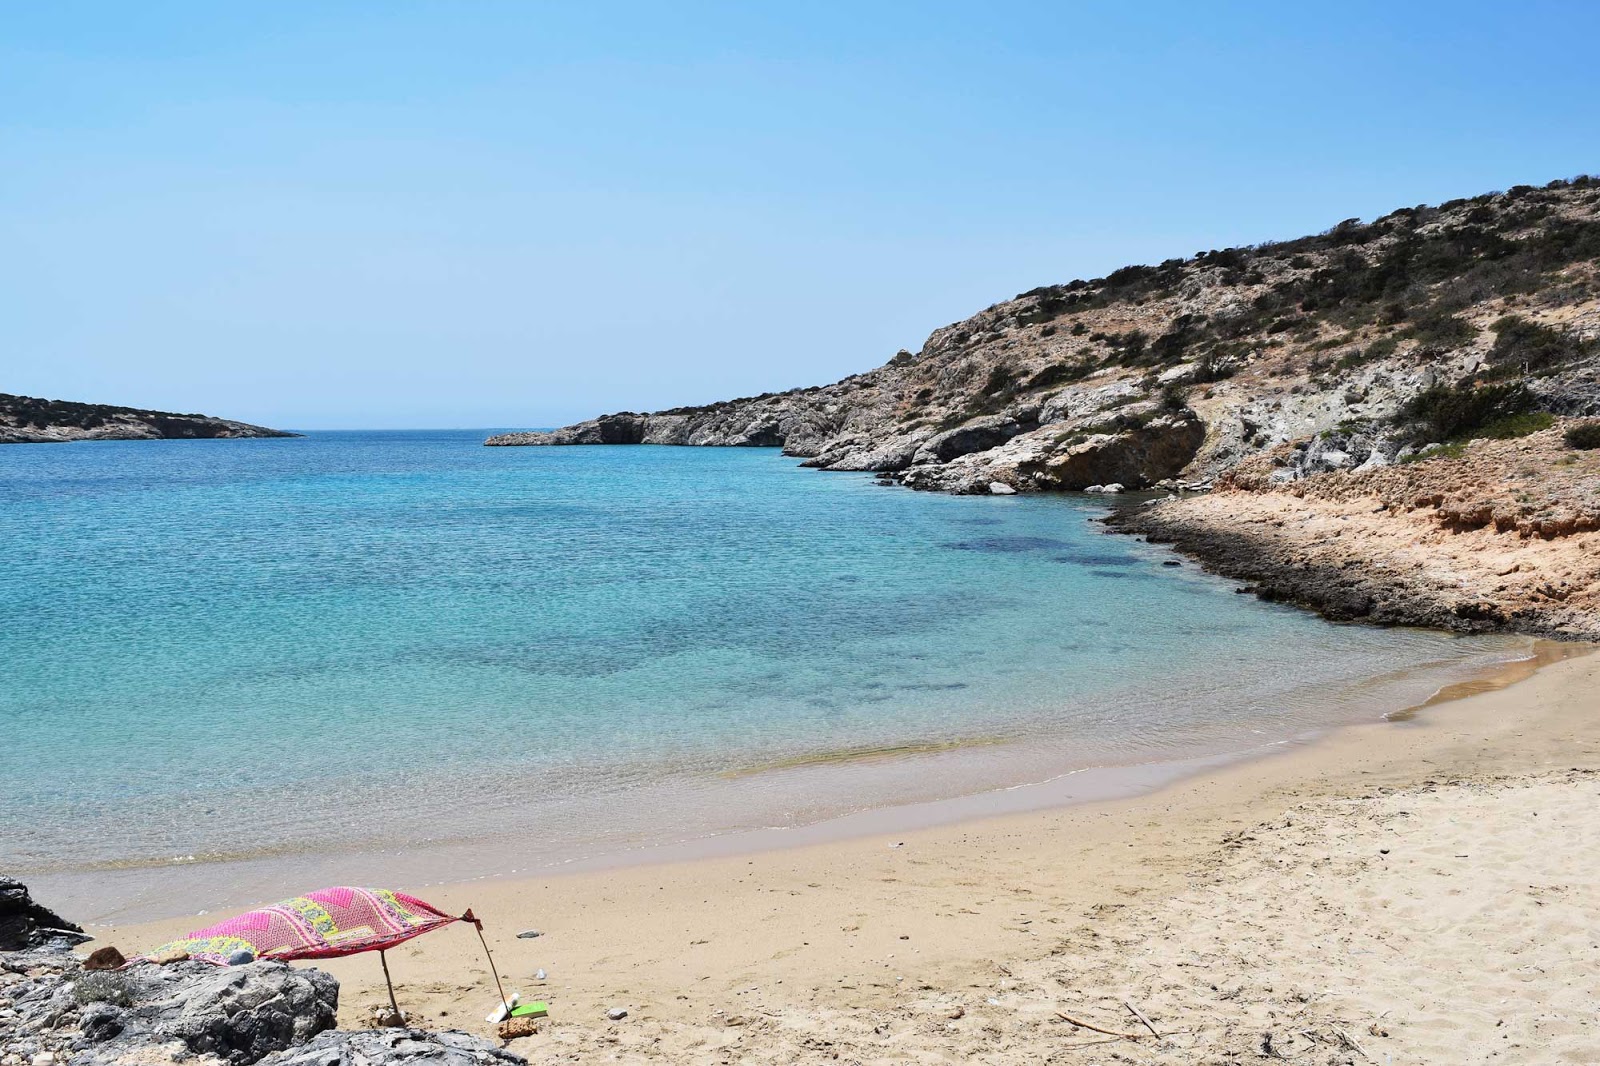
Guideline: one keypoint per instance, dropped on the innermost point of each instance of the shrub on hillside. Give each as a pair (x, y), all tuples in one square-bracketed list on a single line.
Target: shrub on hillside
[(1442, 330), (1454, 412), (1531, 347), (1212, 367), (1381, 348), (1583, 436)]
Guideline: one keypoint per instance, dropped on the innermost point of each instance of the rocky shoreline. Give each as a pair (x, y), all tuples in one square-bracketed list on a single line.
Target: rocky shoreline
[(1272, 371), (1505, 538), (59, 1010), (30, 420)]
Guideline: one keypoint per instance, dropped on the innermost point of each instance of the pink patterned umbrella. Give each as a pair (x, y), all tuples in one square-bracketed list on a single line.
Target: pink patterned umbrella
[(325, 924)]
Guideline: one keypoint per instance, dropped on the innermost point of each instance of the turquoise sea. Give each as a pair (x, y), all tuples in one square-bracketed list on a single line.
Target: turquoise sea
[(227, 664)]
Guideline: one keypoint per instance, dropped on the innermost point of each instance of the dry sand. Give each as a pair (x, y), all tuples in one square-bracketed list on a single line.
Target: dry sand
[(1424, 891)]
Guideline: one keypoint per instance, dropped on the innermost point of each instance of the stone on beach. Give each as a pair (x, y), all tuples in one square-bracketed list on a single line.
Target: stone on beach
[(106, 958), (239, 1014), (25, 924), (382, 1047)]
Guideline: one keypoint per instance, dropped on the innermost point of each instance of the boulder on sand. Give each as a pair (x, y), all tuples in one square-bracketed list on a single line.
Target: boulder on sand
[(25, 924), (391, 1047)]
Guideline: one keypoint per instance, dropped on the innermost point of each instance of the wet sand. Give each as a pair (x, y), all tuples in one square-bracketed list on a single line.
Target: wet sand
[(1389, 885)]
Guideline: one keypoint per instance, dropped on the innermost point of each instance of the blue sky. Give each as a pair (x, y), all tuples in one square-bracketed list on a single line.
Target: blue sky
[(322, 215)]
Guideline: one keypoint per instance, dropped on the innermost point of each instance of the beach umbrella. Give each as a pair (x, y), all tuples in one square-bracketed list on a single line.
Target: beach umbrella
[(326, 924)]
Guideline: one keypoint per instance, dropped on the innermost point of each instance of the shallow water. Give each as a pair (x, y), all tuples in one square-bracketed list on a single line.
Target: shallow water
[(368, 643)]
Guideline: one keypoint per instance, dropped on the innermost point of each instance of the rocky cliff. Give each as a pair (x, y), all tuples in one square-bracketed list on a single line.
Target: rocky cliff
[(29, 420), (1352, 348)]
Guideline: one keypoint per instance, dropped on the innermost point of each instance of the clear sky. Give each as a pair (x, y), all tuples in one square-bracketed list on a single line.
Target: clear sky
[(322, 215)]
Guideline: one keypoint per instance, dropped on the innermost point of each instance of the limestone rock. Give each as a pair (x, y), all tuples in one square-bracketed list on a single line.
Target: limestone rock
[(392, 1047), (237, 1014), (244, 1012)]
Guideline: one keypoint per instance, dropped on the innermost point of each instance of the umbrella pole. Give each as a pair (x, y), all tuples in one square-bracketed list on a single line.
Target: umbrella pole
[(384, 961), (498, 986)]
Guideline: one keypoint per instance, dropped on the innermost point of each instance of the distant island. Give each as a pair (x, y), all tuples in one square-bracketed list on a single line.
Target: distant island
[(30, 420)]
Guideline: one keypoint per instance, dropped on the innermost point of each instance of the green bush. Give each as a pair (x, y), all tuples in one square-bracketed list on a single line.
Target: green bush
[(1442, 330), (1057, 374), (1381, 348), (999, 379), (1523, 345), (1513, 426), (1458, 412), (1584, 436), (1438, 451), (1211, 368)]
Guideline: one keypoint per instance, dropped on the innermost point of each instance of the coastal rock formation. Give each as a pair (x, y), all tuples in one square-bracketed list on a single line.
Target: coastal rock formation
[(1330, 362), (1184, 370), (236, 1014), (25, 924), (1046, 460), (394, 1047), (1504, 537), (55, 1012), (29, 420)]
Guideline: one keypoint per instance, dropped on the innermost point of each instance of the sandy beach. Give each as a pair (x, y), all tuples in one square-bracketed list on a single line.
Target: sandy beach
[(1413, 891)]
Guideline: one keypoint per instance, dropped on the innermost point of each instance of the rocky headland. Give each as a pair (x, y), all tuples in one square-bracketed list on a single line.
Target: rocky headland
[(30, 420), (1307, 375)]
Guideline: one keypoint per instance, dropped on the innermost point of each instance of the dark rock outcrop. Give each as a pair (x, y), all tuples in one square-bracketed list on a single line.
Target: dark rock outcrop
[(242, 1013), (239, 1014), (51, 1005), (26, 924)]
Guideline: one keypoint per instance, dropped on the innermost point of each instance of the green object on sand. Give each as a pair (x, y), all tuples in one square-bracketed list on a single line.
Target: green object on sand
[(531, 1010)]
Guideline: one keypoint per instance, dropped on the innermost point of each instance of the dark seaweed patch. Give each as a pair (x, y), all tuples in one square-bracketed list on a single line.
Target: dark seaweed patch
[(1094, 559), (1006, 545), (1131, 575)]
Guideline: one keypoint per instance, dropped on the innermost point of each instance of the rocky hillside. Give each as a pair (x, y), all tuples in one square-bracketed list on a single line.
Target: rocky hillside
[(1354, 348), (29, 420)]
